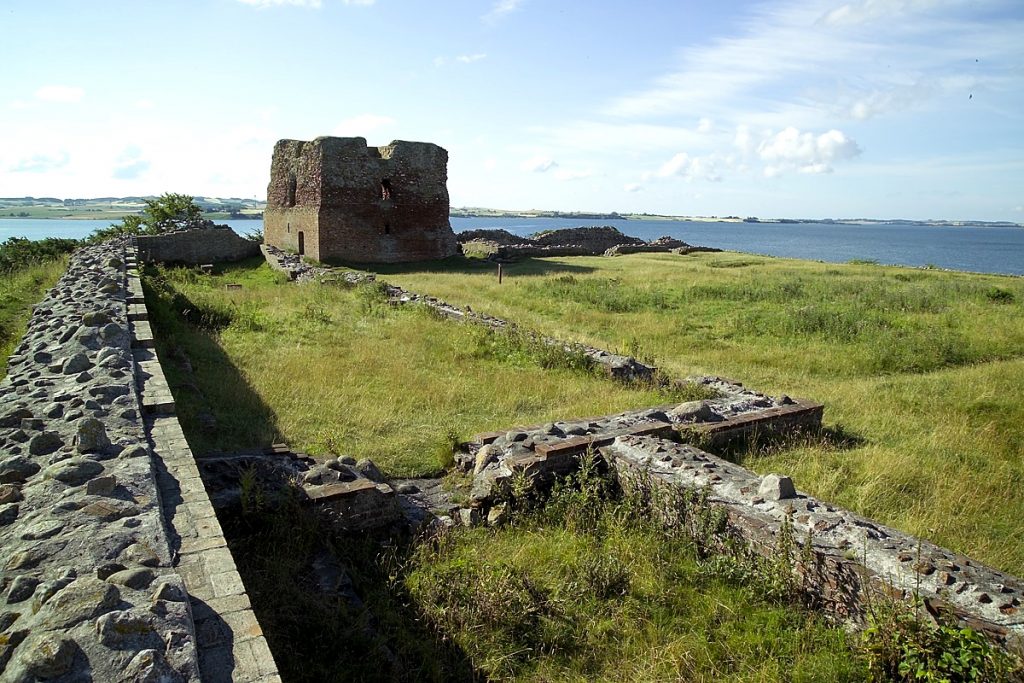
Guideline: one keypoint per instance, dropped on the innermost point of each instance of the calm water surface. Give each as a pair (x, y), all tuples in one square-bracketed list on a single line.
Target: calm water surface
[(979, 249)]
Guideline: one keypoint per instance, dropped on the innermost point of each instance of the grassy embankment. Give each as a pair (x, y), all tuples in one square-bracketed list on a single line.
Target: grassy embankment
[(19, 292), (579, 593), (921, 369), (27, 270)]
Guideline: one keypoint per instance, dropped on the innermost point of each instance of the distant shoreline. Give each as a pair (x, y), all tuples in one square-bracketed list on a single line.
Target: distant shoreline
[(116, 208)]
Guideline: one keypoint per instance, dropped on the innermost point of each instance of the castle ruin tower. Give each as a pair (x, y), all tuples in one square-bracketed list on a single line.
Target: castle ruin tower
[(337, 199)]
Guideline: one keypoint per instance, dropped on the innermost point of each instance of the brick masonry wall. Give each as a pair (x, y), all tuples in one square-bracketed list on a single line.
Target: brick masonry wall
[(853, 560), (356, 203)]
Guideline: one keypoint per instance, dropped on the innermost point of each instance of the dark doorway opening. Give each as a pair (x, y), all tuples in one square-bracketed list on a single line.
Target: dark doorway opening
[(302, 243), (387, 228), (385, 189)]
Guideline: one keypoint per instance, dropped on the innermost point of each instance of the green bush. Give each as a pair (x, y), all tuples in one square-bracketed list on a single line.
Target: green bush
[(18, 252), (899, 646), (167, 212)]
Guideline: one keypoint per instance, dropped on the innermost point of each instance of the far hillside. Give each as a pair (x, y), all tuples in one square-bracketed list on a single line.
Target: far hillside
[(116, 208)]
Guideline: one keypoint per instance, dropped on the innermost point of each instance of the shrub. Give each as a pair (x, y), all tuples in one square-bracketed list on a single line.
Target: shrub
[(18, 252), (899, 646), (167, 212), (998, 295)]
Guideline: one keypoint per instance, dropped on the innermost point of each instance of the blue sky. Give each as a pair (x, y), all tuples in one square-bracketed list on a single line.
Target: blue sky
[(784, 108)]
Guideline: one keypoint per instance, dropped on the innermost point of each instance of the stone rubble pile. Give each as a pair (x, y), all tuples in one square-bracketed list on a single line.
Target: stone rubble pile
[(86, 586), (592, 241), (352, 494)]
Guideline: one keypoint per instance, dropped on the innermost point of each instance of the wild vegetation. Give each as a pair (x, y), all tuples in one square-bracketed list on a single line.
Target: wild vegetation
[(578, 588), (20, 289), (333, 369), (919, 370)]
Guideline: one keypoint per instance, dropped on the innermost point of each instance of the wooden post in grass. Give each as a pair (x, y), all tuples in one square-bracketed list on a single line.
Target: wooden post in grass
[(499, 273)]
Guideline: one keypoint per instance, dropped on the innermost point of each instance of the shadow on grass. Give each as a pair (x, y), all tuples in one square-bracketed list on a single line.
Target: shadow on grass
[(763, 444), (333, 606), (460, 264), (360, 627), (217, 407)]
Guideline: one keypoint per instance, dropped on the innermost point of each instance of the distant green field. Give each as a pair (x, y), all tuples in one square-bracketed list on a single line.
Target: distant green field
[(69, 212)]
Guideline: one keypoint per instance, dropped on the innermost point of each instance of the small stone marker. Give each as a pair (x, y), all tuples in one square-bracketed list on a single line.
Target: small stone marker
[(776, 487)]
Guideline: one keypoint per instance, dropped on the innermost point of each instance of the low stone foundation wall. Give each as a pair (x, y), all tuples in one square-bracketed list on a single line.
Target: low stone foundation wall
[(545, 452), (196, 247), (851, 560)]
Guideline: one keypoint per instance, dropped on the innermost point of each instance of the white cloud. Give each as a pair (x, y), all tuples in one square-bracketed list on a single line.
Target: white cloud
[(130, 165), (63, 94), (41, 163), (791, 149), (743, 140), (500, 8), (864, 11), (538, 164), (705, 125), (691, 168), (362, 124), (144, 104), (784, 65), (490, 164), (632, 187), (469, 59)]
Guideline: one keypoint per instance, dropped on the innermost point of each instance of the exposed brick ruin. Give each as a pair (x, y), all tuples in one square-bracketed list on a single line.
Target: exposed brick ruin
[(593, 241), (338, 199)]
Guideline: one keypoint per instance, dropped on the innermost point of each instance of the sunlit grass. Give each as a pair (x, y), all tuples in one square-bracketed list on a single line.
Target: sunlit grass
[(615, 599), (923, 365), (334, 370), (19, 292)]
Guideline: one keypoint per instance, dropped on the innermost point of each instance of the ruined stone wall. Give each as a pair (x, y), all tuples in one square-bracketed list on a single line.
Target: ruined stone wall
[(196, 247), (362, 204), (112, 564), (592, 241), (86, 577), (848, 562)]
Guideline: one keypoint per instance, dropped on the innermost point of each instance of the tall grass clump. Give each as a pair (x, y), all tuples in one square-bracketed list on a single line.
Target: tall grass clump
[(586, 587)]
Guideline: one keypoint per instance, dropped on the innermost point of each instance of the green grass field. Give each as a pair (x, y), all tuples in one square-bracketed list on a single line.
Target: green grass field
[(335, 370), (920, 371), (920, 368), (19, 292)]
